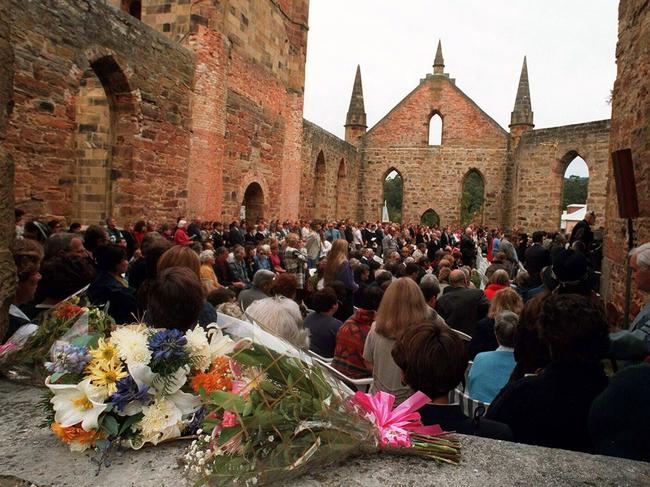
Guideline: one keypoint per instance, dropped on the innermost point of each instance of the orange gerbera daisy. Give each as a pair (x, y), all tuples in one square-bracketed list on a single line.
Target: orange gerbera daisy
[(68, 311), (76, 436), (217, 378)]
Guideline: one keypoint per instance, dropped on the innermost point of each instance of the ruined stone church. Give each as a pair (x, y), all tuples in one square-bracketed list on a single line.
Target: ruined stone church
[(167, 107), (162, 108)]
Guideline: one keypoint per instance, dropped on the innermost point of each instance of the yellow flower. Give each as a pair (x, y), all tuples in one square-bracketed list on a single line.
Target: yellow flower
[(105, 352), (105, 374)]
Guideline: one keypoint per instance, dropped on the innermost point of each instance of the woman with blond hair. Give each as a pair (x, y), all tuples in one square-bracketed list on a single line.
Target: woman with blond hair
[(484, 339), (338, 269), (402, 306)]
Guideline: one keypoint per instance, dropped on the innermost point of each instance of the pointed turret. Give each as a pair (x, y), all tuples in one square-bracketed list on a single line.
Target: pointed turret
[(355, 122), (522, 115), (439, 61)]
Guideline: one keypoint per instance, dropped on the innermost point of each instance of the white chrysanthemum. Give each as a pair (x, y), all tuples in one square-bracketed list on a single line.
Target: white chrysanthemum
[(199, 347), (131, 344), (160, 421)]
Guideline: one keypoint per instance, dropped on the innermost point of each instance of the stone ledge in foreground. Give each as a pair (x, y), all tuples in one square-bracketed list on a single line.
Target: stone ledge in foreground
[(30, 455)]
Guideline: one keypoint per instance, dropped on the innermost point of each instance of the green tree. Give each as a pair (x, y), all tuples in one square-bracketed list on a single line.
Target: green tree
[(394, 196), (574, 191), (473, 197), (429, 218)]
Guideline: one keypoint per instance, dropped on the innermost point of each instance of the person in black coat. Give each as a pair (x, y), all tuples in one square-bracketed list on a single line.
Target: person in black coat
[(551, 409), (582, 232), (460, 306), (536, 258), (235, 236), (110, 287), (484, 339), (433, 360)]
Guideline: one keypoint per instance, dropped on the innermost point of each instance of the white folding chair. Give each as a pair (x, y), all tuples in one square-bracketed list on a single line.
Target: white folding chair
[(360, 384), (319, 357)]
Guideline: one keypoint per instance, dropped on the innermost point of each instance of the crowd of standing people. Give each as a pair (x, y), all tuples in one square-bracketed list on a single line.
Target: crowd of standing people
[(516, 320)]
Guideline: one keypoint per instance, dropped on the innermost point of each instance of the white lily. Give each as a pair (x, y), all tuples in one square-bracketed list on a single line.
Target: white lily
[(74, 404), (186, 403), (220, 344)]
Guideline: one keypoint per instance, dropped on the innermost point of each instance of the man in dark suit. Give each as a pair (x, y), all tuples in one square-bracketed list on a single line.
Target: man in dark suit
[(461, 307), (536, 258), (582, 232), (234, 236)]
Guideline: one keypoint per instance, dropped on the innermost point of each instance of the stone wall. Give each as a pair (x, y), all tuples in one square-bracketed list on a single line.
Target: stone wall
[(147, 80), (330, 175), (630, 128), (541, 158), (433, 175), (7, 268)]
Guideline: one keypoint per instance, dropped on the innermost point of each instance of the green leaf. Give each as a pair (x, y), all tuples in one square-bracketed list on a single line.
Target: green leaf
[(90, 341), (130, 421), (110, 425), (231, 402), (56, 376), (248, 408)]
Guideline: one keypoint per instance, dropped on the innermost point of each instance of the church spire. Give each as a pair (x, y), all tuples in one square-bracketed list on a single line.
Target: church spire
[(439, 62), (522, 115), (355, 122)]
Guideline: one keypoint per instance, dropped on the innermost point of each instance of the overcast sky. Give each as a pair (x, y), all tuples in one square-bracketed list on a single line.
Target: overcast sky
[(570, 46)]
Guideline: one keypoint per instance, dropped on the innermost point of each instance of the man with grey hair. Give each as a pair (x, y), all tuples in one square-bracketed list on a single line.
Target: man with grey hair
[(64, 245), (634, 344), (262, 281), (491, 370)]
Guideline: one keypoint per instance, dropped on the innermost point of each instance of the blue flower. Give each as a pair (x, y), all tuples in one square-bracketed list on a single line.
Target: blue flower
[(128, 392), (68, 358), (168, 351)]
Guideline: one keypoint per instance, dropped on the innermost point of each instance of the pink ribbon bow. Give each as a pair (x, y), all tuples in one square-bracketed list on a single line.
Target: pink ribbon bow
[(394, 425)]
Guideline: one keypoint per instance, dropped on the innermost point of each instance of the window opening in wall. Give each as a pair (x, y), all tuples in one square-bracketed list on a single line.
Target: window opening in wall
[(435, 130), (473, 197), (575, 188), (320, 188), (430, 218), (133, 7), (253, 202), (393, 195)]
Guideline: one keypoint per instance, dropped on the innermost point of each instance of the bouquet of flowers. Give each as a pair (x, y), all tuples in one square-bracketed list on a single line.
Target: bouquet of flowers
[(23, 356), (132, 387), (270, 416)]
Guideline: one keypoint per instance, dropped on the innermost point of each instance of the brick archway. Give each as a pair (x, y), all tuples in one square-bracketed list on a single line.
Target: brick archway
[(106, 123), (253, 202)]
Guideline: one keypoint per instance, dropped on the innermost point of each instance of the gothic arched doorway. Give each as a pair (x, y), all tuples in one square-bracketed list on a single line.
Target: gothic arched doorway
[(253, 202)]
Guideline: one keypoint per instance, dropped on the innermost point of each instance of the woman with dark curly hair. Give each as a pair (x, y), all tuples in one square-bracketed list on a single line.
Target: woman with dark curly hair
[(551, 408)]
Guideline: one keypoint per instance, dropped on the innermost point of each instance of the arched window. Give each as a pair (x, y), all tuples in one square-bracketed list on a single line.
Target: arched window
[(473, 197), (393, 195), (430, 218), (253, 202), (575, 189), (341, 191), (133, 7), (320, 188), (435, 129)]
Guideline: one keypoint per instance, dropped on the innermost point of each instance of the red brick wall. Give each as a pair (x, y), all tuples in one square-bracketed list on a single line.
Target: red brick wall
[(630, 128), (433, 175), (147, 80)]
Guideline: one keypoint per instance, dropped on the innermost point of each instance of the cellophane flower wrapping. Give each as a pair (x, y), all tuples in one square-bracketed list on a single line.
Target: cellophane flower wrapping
[(273, 415), (23, 358), (132, 386)]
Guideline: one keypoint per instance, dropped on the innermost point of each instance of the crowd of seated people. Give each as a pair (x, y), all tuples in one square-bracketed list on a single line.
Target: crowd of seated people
[(403, 306)]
